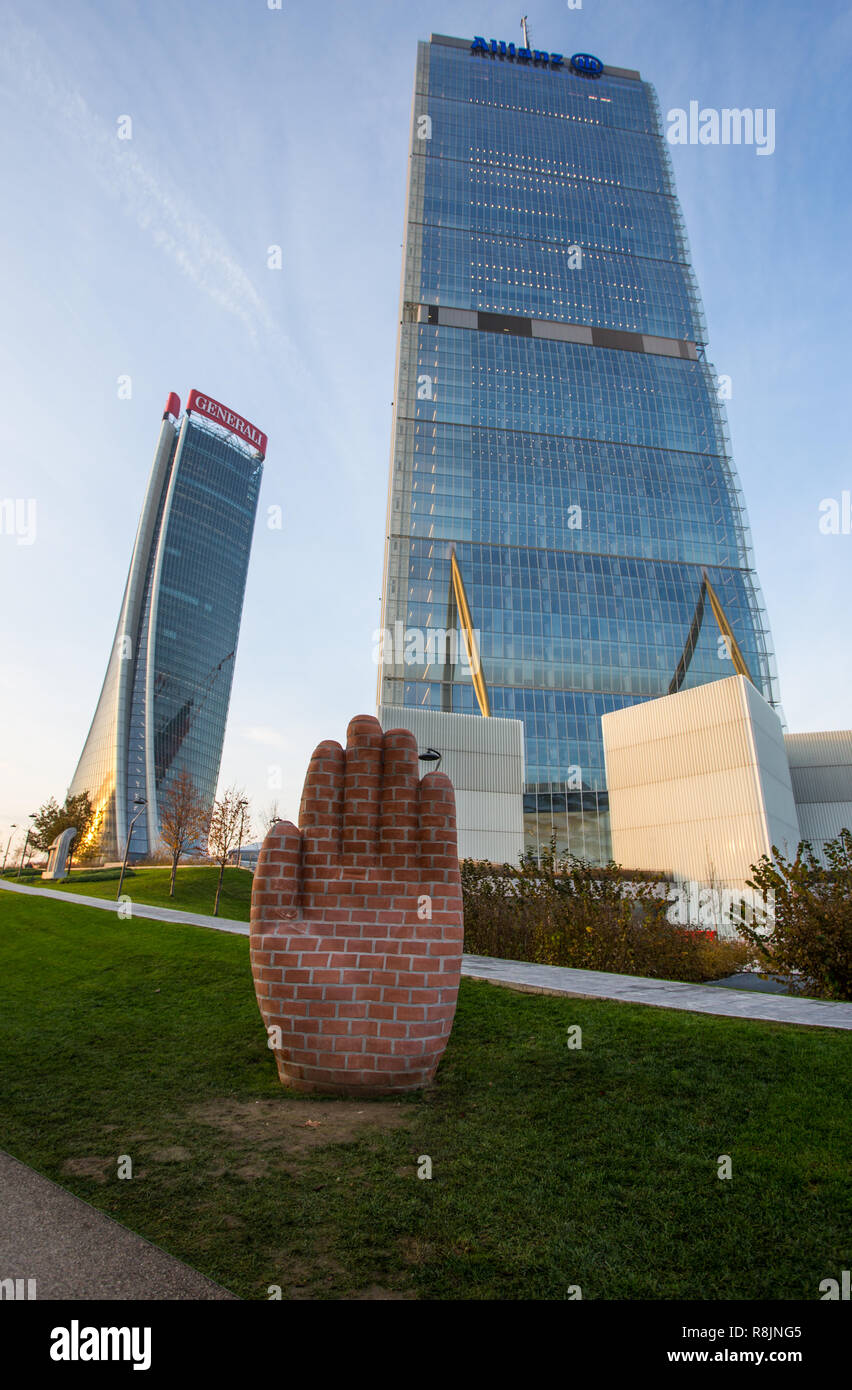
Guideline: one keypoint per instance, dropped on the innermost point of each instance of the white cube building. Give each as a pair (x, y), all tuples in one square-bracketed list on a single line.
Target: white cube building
[(699, 783), (484, 759)]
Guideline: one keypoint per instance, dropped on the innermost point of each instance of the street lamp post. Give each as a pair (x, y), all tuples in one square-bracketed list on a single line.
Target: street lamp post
[(12, 830), (242, 826), (26, 843), (141, 804), (431, 756)]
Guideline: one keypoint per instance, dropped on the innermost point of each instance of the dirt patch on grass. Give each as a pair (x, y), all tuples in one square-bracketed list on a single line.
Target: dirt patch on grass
[(175, 1153), (250, 1172), (299, 1126), (321, 1276), (98, 1169), (300, 1278)]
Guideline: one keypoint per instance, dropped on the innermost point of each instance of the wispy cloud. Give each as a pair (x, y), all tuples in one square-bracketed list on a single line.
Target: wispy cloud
[(146, 194)]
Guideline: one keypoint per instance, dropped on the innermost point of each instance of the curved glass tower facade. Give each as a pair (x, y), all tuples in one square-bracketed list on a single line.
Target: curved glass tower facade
[(557, 426), (164, 702)]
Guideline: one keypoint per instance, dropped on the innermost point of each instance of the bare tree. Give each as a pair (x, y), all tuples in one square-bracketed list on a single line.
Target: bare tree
[(227, 825), (268, 816), (184, 818)]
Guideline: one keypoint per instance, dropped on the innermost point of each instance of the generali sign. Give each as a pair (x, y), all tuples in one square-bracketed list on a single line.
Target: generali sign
[(221, 415)]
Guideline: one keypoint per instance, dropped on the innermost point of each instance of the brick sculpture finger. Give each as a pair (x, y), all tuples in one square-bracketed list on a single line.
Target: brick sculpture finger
[(356, 920)]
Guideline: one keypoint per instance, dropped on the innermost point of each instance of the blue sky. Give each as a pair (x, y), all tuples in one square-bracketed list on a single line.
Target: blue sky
[(148, 258)]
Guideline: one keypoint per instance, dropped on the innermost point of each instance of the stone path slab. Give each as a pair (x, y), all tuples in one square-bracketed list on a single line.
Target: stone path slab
[(72, 1250), (557, 979), (666, 994)]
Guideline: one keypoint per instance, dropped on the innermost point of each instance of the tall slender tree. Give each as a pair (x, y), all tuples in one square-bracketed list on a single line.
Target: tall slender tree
[(228, 826), (184, 819)]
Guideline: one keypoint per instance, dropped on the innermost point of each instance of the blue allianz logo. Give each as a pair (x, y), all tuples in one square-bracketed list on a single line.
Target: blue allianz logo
[(498, 49), (587, 64)]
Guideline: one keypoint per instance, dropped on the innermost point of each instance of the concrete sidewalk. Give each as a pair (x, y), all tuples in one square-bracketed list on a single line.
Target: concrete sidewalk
[(558, 979), (73, 1251), (665, 994)]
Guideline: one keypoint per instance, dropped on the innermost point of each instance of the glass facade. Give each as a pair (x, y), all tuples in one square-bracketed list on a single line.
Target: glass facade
[(557, 425), (164, 703)]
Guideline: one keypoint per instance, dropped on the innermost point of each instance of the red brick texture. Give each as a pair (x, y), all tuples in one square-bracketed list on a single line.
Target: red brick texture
[(356, 920)]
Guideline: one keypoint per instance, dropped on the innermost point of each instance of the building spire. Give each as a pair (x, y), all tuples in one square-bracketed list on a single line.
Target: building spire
[(525, 31)]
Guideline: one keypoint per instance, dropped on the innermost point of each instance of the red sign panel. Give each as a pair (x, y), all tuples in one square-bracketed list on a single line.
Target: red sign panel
[(172, 405), (221, 415)]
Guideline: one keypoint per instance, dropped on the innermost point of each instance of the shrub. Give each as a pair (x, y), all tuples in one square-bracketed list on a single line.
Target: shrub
[(565, 911), (98, 875), (808, 940)]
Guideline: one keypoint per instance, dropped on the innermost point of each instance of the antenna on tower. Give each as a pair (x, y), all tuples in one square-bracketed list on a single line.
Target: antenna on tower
[(525, 31)]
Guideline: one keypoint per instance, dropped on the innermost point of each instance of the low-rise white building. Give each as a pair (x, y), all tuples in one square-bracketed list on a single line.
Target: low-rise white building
[(821, 773), (699, 783), (484, 760)]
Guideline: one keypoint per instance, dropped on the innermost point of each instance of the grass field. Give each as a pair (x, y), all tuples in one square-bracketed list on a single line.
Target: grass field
[(552, 1167)]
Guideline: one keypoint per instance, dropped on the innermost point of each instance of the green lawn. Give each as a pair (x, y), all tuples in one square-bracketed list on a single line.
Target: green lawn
[(195, 889), (552, 1167)]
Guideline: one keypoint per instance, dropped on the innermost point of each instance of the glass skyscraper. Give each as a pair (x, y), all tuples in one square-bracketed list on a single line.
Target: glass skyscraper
[(561, 470), (164, 702)]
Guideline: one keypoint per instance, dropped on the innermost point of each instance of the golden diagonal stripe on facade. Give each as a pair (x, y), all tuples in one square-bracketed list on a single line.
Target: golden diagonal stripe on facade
[(737, 657), (469, 637), (740, 664)]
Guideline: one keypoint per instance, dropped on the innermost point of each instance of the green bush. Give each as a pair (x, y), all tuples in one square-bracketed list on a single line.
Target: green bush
[(561, 910), (808, 939), (98, 875)]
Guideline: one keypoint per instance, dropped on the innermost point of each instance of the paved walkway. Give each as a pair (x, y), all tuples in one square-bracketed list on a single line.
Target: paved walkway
[(557, 979), (156, 914), (666, 994), (72, 1250)]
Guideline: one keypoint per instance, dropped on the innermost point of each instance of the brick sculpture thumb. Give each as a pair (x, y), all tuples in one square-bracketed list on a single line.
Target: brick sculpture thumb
[(356, 920)]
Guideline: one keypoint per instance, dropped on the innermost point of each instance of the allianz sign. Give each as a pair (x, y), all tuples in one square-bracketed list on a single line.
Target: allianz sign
[(584, 63)]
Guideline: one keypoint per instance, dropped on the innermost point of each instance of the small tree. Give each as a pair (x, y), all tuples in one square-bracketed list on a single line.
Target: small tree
[(51, 819), (808, 940), (184, 819), (227, 825), (47, 824)]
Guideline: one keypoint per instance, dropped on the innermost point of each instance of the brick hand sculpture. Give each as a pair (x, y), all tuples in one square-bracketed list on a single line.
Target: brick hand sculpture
[(356, 920)]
